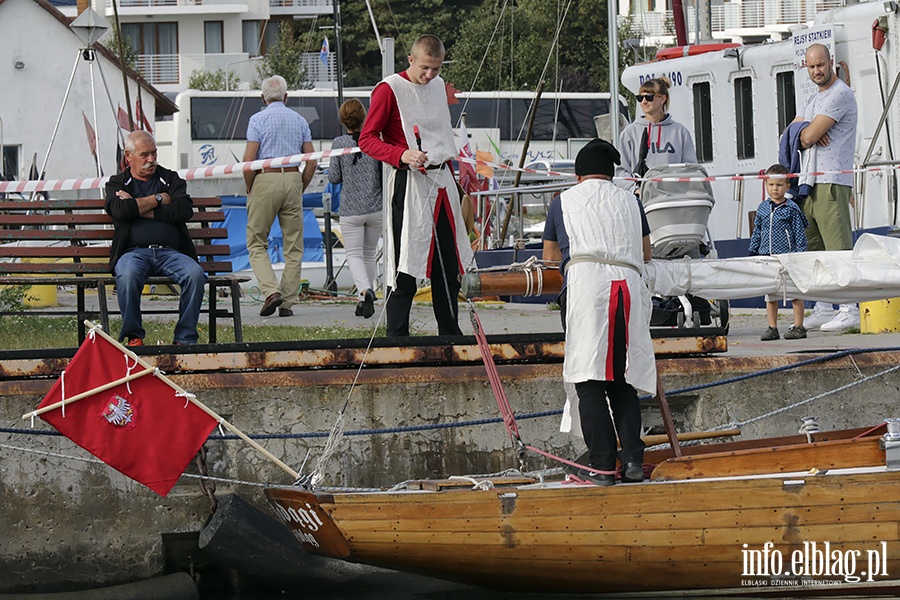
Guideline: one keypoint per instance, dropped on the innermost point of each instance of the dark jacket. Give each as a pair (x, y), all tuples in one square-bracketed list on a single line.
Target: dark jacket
[(790, 154), (125, 211)]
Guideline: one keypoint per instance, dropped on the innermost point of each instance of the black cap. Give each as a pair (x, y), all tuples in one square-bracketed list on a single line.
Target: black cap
[(598, 157)]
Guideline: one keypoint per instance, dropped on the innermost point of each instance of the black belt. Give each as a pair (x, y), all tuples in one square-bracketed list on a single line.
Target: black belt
[(154, 246)]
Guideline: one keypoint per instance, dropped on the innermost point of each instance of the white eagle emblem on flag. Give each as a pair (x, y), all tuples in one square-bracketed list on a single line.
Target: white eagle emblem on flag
[(119, 412)]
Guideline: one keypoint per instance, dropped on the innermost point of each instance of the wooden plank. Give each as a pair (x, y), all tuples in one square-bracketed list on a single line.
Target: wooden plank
[(55, 252), (85, 204), (84, 219), (665, 498), (435, 485), (836, 454), (881, 512), (53, 204), (16, 235)]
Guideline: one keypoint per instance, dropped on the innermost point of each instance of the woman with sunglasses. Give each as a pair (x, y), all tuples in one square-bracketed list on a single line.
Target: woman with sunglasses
[(655, 138)]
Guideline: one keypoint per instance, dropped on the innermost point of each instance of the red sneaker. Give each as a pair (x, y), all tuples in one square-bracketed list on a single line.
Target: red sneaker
[(135, 341)]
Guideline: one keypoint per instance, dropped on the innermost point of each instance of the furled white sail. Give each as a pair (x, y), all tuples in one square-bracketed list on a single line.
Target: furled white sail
[(871, 271)]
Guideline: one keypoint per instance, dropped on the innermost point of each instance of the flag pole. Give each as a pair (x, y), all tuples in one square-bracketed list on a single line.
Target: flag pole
[(83, 395), (190, 397)]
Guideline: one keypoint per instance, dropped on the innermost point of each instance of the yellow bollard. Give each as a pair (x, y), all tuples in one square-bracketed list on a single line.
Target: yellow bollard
[(879, 316)]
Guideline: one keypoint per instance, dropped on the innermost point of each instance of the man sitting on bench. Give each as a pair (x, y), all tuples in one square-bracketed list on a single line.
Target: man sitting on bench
[(150, 207)]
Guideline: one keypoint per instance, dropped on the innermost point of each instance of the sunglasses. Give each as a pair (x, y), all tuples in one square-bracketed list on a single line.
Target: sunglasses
[(647, 97)]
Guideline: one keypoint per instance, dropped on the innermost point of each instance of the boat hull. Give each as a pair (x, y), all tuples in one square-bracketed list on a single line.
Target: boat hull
[(728, 533)]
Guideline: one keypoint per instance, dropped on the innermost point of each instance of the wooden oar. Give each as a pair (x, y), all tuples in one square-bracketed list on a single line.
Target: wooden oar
[(653, 440)]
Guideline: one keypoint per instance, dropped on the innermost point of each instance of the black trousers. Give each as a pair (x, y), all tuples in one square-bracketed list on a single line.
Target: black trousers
[(597, 398), (445, 283)]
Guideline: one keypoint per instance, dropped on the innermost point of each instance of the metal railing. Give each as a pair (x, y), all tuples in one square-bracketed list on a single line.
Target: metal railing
[(741, 14), (159, 68), (317, 4)]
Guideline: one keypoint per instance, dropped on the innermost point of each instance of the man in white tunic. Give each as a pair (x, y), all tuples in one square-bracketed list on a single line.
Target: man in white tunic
[(601, 242), (408, 128)]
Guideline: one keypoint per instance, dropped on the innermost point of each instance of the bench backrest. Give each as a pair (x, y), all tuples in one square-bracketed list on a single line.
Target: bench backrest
[(71, 237)]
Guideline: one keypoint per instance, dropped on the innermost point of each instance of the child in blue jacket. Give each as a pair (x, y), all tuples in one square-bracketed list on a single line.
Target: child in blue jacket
[(779, 227)]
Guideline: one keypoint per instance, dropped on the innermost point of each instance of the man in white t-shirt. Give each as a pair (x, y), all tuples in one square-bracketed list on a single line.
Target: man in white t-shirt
[(832, 116)]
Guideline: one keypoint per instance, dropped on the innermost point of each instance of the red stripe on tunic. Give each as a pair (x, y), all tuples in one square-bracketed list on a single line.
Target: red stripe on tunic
[(616, 287)]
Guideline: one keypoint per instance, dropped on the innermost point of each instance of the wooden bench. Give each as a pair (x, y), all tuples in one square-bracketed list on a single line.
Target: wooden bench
[(66, 243)]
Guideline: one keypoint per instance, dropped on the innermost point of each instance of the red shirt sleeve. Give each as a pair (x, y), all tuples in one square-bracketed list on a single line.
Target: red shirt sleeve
[(382, 135)]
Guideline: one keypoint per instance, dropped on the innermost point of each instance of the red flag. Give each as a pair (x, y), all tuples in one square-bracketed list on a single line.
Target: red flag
[(91, 135), (122, 117), (140, 428), (451, 93), (139, 111)]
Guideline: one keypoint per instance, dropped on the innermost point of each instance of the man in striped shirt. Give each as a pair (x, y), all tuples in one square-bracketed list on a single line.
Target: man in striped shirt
[(277, 192)]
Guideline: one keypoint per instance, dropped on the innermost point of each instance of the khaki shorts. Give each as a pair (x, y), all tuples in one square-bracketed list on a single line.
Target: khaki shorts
[(828, 211)]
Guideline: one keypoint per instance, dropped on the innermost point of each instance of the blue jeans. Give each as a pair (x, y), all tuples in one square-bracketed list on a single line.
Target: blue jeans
[(132, 270)]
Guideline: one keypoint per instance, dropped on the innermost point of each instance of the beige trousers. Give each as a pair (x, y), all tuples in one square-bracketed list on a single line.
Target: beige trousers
[(276, 195)]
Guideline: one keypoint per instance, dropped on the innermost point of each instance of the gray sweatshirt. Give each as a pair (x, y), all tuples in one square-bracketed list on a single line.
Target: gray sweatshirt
[(667, 143)]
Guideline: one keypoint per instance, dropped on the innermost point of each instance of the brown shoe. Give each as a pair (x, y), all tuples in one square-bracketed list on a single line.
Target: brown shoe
[(285, 312), (272, 302)]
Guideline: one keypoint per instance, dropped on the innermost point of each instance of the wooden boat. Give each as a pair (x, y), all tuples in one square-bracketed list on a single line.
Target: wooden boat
[(786, 515)]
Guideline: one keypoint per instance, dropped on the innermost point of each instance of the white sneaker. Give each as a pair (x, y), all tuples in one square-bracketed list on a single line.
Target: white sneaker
[(846, 319), (821, 313)]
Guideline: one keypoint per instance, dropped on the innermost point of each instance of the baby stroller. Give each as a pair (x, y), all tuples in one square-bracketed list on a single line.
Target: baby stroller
[(678, 214)]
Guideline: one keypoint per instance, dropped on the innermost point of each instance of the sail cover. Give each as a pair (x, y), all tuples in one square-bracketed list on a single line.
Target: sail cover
[(871, 271)]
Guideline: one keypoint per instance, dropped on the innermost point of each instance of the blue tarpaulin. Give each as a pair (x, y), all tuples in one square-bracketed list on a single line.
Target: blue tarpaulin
[(235, 208)]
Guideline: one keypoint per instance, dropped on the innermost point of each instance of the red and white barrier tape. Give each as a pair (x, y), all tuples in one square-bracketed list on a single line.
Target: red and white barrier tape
[(751, 177), (93, 183), (56, 185)]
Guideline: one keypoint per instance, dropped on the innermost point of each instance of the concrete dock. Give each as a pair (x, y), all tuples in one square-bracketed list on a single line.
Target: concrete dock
[(420, 412)]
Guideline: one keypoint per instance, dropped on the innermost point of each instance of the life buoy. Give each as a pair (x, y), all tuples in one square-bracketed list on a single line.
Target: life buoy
[(679, 51)]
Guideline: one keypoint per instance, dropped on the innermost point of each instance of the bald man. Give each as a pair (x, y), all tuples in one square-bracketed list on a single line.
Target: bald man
[(832, 114)]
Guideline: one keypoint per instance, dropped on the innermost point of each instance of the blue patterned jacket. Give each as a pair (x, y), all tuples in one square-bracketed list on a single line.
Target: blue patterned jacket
[(778, 228)]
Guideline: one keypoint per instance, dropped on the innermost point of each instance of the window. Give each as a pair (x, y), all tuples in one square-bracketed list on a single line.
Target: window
[(273, 28), (703, 138), (227, 118), (786, 98), (152, 38), (251, 37), (213, 38), (743, 116), (9, 165)]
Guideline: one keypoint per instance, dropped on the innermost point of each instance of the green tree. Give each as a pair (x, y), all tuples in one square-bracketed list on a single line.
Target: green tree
[(111, 41), (284, 59), (403, 21), (505, 45), (212, 81)]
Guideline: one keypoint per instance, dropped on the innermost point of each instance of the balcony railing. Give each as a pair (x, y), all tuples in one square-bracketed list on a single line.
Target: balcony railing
[(738, 15), (162, 3), (317, 5), (159, 68)]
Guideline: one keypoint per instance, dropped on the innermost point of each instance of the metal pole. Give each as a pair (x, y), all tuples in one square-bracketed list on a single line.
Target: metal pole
[(613, 27), (338, 56), (330, 283), (58, 118), (89, 56)]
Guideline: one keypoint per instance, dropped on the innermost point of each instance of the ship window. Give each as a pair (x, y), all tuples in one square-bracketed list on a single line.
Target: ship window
[(703, 121), (787, 99), (9, 165), (743, 116)]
